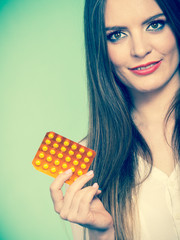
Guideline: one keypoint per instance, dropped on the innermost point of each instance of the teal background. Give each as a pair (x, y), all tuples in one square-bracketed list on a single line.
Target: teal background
[(43, 88)]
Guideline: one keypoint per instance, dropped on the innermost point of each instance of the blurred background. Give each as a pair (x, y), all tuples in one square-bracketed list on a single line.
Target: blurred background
[(43, 88)]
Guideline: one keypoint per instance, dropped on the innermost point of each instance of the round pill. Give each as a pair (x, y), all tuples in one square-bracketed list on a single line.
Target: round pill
[(68, 159), (41, 155), (75, 162), (66, 143), (75, 179), (73, 169), (53, 169), (81, 150), (78, 156), (49, 159), (63, 149), (86, 160), (64, 165), (51, 135), (74, 147), (80, 173), (60, 172), (71, 153), (44, 148), (45, 166), (52, 151), (60, 155), (55, 145), (48, 142), (89, 154), (58, 139), (56, 162), (83, 165), (38, 163)]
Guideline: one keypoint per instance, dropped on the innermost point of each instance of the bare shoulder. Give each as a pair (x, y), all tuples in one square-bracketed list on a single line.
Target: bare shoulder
[(83, 142)]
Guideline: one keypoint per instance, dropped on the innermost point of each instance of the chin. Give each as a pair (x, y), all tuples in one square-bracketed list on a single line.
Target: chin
[(147, 88)]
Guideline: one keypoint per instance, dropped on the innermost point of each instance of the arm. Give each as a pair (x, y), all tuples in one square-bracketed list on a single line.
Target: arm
[(106, 235), (78, 232)]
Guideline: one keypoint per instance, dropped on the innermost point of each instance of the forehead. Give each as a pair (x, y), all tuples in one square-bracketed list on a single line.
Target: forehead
[(122, 12)]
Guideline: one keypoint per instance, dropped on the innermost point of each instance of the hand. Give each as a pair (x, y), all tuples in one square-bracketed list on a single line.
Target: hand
[(80, 205)]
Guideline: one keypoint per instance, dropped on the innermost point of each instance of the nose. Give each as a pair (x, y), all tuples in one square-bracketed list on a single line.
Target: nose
[(140, 46)]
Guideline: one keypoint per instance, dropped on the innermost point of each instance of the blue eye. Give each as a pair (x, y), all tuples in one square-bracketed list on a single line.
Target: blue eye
[(156, 26), (115, 36)]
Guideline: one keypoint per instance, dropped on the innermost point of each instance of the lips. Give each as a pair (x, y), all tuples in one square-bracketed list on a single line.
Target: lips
[(145, 69)]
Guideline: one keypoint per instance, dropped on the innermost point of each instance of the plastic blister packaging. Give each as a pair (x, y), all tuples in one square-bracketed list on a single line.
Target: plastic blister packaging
[(57, 154)]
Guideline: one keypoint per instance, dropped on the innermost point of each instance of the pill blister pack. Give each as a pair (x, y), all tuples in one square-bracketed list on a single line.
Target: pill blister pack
[(57, 154)]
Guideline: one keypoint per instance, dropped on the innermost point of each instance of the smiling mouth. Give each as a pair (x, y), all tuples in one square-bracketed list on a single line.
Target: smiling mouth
[(145, 69)]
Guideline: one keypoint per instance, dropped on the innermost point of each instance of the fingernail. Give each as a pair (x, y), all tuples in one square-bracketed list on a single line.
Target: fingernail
[(89, 173), (68, 171), (95, 185)]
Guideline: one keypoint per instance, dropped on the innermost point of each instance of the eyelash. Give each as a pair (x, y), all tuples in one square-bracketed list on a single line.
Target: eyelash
[(161, 22), (111, 35)]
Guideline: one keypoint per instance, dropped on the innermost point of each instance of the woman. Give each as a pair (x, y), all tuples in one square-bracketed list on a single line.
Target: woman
[(133, 83)]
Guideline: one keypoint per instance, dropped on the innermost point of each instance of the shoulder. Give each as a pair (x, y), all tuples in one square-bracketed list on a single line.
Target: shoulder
[(83, 142)]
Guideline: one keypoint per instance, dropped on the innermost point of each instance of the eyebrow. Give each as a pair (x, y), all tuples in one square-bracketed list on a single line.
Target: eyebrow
[(114, 28)]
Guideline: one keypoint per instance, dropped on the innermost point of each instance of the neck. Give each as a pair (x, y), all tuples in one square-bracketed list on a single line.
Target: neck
[(152, 107)]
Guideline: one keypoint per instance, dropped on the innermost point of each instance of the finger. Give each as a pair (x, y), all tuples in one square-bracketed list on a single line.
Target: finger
[(98, 192), (80, 196), (81, 181), (55, 188), (87, 199), (76, 186), (74, 208), (72, 190)]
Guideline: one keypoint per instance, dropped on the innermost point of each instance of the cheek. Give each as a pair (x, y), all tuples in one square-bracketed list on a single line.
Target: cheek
[(168, 49), (118, 54), (167, 43)]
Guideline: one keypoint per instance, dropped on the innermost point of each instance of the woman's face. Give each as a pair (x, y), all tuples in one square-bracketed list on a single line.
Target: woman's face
[(141, 45)]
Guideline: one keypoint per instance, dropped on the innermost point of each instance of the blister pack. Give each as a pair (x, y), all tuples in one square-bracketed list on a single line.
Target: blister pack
[(57, 154)]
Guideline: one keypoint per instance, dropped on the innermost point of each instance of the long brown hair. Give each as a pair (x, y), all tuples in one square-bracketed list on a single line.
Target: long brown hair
[(112, 132)]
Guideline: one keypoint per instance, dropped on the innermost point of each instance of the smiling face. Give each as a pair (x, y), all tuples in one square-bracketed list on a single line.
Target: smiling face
[(141, 45)]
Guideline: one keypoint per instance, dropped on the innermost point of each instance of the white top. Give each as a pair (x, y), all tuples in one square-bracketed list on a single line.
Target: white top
[(158, 204)]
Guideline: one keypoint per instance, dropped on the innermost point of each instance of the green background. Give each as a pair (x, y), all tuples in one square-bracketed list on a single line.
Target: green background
[(43, 88)]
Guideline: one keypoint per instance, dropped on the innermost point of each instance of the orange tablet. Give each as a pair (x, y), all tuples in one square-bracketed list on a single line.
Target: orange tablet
[(57, 154)]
